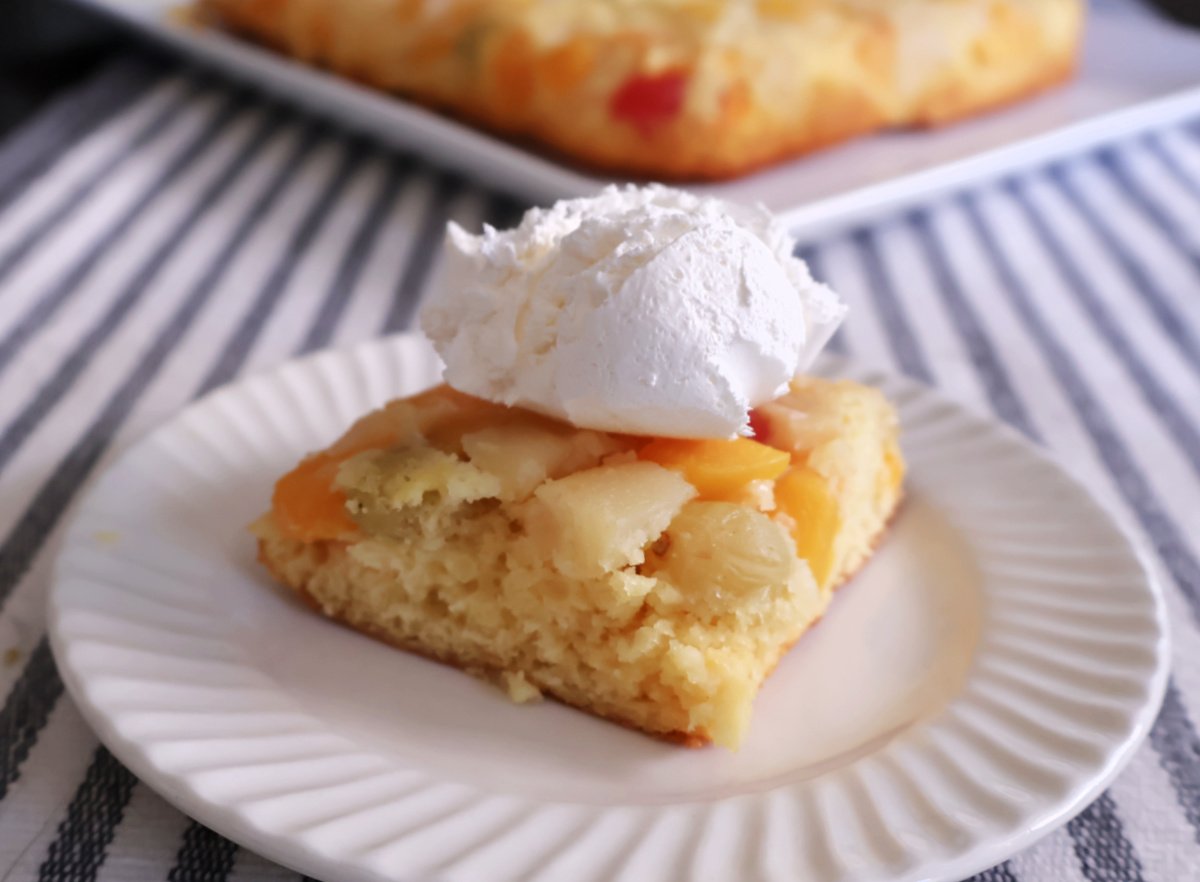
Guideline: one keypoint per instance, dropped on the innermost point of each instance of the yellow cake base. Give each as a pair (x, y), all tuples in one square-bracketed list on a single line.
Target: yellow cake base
[(559, 561)]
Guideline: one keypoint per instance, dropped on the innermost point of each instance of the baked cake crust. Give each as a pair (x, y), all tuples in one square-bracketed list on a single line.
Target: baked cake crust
[(633, 578), (682, 89)]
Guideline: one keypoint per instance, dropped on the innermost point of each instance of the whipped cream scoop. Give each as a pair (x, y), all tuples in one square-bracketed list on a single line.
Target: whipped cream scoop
[(643, 310)]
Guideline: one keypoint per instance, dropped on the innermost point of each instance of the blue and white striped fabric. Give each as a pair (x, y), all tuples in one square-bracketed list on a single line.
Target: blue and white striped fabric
[(162, 233)]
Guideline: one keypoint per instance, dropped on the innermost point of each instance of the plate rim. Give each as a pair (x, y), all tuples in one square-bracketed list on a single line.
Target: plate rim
[(230, 821)]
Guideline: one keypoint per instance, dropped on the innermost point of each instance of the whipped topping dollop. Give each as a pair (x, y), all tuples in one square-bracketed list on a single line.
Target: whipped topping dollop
[(644, 310)]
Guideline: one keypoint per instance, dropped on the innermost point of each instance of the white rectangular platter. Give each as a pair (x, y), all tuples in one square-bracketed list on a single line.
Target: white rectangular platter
[(1138, 71)]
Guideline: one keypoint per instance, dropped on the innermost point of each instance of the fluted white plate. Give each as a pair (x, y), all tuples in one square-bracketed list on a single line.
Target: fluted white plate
[(979, 682)]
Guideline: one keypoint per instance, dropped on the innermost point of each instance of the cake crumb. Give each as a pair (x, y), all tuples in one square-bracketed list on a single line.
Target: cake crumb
[(107, 538), (520, 690), (12, 655)]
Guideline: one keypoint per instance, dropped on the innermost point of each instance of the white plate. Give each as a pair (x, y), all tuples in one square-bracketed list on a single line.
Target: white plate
[(1137, 72), (979, 682)]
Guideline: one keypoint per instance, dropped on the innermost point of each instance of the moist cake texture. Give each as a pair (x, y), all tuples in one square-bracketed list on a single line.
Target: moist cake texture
[(655, 582)]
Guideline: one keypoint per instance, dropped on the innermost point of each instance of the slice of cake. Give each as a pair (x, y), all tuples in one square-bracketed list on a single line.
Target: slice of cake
[(626, 496), (655, 582)]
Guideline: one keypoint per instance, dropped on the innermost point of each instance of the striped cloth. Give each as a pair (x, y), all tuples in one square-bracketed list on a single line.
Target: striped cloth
[(162, 233)]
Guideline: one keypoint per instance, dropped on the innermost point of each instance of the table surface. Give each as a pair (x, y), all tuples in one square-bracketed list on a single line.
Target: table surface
[(162, 232)]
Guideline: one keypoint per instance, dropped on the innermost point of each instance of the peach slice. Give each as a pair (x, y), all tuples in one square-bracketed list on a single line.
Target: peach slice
[(310, 508), (718, 469), (804, 496), (307, 506), (306, 503)]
